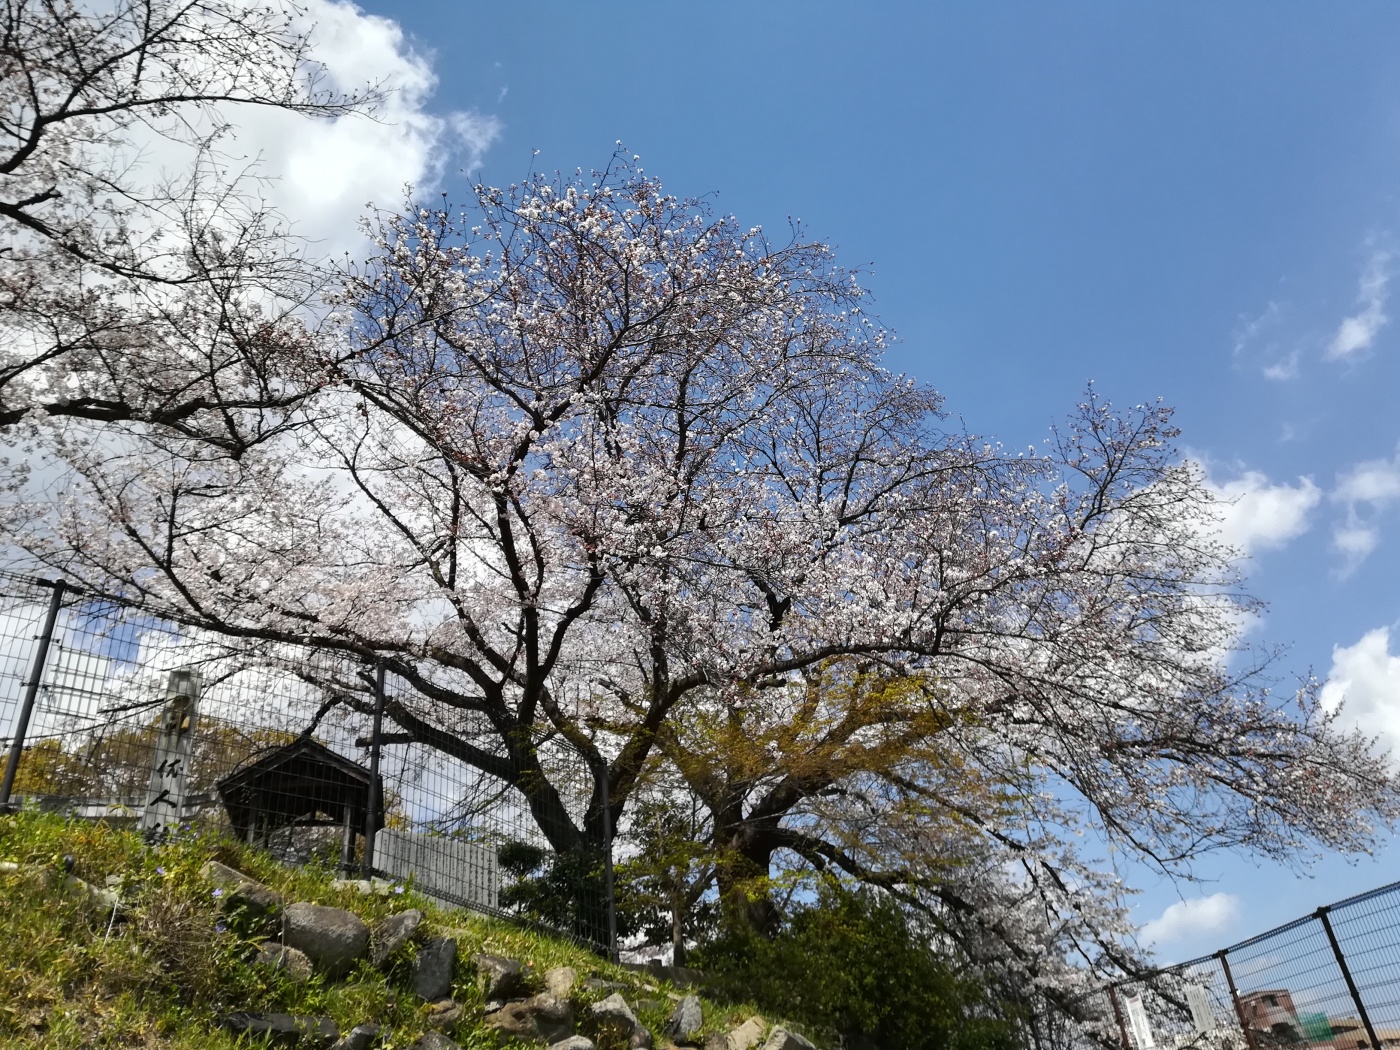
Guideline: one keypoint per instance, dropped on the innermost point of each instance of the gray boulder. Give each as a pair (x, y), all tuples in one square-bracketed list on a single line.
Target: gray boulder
[(283, 1029), (391, 934), (554, 1017), (505, 978), (543, 1016), (685, 1022), (432, 969), (445, 1013), (361, 1037), (515, 1020), (240, 893), (435, 1041), (105, 899), (293, 963), (332, 938), (781, 1039), (747, 1035), (597, 984), (574, 1042), (560, 981), (615, 1009)]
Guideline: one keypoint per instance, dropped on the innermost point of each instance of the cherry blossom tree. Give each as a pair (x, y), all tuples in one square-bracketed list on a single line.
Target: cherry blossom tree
[(612, 481)]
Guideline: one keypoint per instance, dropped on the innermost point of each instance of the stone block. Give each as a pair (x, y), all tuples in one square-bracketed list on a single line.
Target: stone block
[(332, 938), (390, 934), (505, 978), (432, 969), (686, 1020)]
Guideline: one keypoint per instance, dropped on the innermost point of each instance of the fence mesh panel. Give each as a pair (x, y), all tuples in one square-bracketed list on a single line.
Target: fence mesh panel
[(140, 720), (303, 751)]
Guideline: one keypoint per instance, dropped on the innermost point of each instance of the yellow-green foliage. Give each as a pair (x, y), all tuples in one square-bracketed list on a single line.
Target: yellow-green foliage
[(168, 968)]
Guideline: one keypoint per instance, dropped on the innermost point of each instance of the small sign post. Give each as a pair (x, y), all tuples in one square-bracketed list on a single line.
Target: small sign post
[(165, 796)]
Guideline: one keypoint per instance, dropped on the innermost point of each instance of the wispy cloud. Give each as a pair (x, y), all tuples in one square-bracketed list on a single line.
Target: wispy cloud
[(1283, 368), (1193, 918), (1251, 328), (1363, 492), (1358, 331), (1365, 684)]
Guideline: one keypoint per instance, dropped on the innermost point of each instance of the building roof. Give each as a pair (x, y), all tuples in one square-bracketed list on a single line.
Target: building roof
[(300, 783)]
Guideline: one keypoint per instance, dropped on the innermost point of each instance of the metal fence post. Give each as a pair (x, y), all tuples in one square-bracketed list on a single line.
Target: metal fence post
[(1235, 998), (1118, 1015), (1321, 914), (32, 692), (375, 802), (602, 775)]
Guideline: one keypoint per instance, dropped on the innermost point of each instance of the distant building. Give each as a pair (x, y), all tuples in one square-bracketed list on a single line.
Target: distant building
[(1271, 1010), (1348, 1033), (1275, 1022)]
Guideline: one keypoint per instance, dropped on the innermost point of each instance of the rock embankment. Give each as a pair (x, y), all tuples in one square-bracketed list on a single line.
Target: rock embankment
[(556, 1008)]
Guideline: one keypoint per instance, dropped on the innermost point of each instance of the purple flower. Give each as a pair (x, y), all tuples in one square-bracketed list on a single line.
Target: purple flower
[(160, 871), (218, 892), (220, 927), (398, 889)]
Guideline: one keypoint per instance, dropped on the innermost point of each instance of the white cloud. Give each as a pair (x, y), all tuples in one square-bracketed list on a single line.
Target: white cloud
[(1375, 481), (1261, 515), (328, 170), (323, 172), (1355, 542), (1365, 684), (1364, 492), (1359, 331), (1193, 918)]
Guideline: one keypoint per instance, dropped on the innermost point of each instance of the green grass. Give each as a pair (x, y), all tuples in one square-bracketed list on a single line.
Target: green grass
[(172, 964)]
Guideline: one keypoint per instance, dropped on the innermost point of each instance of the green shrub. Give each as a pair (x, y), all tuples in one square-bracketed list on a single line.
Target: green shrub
[(850, 965), (564, 892)]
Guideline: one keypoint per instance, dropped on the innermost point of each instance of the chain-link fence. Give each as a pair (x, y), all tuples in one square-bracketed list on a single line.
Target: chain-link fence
[(107, 712), (1329, 980)]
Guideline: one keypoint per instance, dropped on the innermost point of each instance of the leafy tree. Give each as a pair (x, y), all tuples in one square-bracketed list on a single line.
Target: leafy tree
[(662, 886), (564, 891), (847, 765), (45, 768), (851, 963), (115, 763)]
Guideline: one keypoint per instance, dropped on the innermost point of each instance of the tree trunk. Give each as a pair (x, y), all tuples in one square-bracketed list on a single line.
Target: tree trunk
[(677, 932), (743, 890)]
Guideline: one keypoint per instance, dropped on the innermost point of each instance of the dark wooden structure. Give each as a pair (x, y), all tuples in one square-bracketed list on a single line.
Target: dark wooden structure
[(301, 784)]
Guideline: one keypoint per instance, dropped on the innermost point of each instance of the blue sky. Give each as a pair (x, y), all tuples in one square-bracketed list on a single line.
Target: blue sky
[(1196, 202)]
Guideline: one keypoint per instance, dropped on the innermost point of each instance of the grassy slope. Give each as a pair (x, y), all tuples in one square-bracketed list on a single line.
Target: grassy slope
[(162, 977)]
